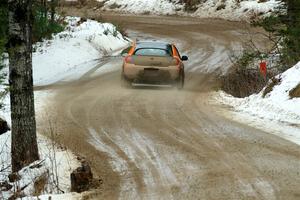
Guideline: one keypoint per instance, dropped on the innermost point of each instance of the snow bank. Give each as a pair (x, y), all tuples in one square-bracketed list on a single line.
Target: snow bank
[(228, 9), (74, 51), (159, 7), (65, 161), (231, 10), (66, 196), (277, 111)]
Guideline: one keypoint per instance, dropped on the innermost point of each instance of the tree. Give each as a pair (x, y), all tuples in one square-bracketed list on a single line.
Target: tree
[(292, 40), (24, 149), (285, 25), (53, 6), (3, 26), (3, 40)]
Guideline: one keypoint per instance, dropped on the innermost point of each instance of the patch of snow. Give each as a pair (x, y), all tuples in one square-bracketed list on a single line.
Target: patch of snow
[(74, 51), (265, 189), (276, 112), (65, 160), (72, 195), (160, 7), (120, 165), (113, 65), (256, 188), (148, 148), (229, 9), (232, 10)]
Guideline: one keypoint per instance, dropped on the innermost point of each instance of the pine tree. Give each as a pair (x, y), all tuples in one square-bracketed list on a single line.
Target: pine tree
[(24, 149), (292, 40), (285, 24), (3, 24), (53, 7)]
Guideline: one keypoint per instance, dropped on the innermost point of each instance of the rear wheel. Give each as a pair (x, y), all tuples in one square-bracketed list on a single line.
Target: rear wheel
[(124, 82), (180, 81)]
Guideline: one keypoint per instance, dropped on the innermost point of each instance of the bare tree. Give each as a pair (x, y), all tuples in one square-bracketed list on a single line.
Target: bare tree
[(24, 149)]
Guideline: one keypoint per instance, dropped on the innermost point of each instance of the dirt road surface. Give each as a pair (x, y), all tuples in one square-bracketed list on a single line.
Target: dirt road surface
[(164, 143)]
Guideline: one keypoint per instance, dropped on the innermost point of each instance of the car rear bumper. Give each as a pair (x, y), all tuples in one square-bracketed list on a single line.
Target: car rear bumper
[(150, 73)]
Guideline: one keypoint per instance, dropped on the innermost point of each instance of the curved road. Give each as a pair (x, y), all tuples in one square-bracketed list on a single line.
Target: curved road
[(161, 143)]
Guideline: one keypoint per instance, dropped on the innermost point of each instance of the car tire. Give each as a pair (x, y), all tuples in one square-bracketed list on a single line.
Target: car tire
[(180, 81), (124, 82)]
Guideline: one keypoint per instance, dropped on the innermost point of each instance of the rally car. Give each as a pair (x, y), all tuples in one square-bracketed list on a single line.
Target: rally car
[(153, 62)]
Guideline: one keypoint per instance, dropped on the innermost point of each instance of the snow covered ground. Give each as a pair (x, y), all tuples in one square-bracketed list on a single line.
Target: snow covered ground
[(232, 10), (277, 112), (158, 7), (74, 51), (69, 55), (228, 9), (51, 154), (65, 161)]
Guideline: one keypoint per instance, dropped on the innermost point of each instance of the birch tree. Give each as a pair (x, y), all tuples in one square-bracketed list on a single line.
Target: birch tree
[(24, 149)]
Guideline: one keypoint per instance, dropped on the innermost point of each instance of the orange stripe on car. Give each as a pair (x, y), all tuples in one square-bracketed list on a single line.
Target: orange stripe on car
[(175, 54), (131, 51)]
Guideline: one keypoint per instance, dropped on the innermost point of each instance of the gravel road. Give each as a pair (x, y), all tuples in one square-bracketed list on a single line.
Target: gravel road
[(164, 143)]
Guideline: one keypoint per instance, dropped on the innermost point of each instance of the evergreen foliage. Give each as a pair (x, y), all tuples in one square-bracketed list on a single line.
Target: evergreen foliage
[(3, 25), (43, 26), (292, 40), (3, 41), (285, 23)]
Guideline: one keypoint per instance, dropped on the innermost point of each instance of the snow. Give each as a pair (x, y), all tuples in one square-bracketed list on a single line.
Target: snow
[(160, 7), (74, 51), (72, 195), (232, 10), (65, 160), (128, 184), (78, 49), (137, 146), (66, 163), (67, 56), (229, 9), (277, 112)]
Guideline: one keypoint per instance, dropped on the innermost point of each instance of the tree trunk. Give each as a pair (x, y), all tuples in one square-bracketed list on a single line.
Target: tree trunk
[(53, 6), (24, 149)]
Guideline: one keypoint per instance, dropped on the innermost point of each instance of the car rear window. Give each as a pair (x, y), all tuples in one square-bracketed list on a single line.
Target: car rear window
[(152, 52)]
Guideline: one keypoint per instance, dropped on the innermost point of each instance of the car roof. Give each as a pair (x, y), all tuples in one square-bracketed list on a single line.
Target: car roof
[(152, 44)]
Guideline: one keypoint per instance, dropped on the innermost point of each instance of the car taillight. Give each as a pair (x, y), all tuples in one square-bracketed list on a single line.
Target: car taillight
[(128, 59)]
